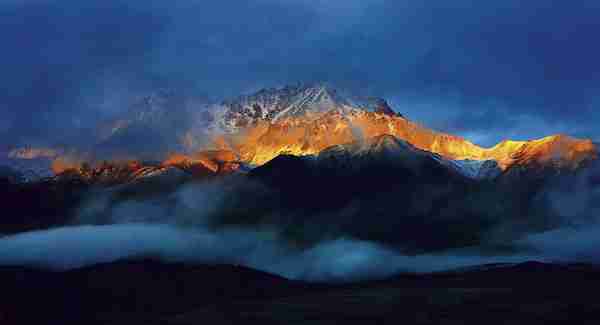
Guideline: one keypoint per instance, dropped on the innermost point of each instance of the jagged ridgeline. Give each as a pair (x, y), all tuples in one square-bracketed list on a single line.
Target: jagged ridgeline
[(298, 120), (308, 119), (311, 161)]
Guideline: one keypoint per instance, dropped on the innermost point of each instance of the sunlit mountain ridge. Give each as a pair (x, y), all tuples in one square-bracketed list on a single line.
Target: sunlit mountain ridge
[(321, 121), (298, 120)]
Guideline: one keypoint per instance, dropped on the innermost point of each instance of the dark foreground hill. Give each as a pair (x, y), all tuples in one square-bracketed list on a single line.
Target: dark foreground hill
[(147, 292), (128, 292)]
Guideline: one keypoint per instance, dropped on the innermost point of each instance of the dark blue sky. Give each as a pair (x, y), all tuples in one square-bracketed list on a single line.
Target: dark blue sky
[(486, 70)]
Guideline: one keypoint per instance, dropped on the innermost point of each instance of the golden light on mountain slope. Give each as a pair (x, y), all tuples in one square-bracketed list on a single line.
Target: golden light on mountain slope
[(564, 151), (176, 159), (307, 135), (215, 161), (65, 163)]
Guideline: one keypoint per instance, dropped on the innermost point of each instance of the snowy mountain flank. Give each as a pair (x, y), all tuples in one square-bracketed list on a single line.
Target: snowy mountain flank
[(275, 104), (296, 120)]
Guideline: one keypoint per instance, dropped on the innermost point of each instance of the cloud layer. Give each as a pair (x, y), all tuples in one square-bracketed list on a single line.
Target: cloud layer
[(335, 260), (185, 226), (485, 70)]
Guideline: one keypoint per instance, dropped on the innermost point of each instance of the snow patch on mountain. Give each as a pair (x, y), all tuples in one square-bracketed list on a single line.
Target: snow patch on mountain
[(390, 147), (313, 99), (275, 104), (477, 169)]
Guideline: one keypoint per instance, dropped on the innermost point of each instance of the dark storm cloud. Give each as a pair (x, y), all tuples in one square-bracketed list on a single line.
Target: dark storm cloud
[(52, 48), (484, 70)]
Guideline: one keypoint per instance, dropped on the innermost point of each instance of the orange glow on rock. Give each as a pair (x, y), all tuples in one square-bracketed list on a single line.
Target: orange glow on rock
[(306, 135), (63, 164), (210, 161), (309, 134)]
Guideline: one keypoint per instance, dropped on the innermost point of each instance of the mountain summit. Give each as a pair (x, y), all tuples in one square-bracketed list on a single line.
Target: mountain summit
[(304, 120), (275, 104)]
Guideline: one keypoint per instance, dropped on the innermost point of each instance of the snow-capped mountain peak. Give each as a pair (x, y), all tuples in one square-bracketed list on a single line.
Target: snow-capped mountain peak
[(319, 98), (275, 104)]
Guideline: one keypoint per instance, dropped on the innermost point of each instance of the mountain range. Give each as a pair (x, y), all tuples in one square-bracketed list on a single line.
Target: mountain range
[(304, 181), (306, 119), (313, 162), (299, 120)]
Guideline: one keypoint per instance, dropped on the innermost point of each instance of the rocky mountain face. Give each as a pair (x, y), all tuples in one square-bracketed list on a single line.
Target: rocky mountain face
[(307, 120), (407, 196), (294, 101), (57, 200), (308, 154), (297, 120), (387, 190), (176, 167)]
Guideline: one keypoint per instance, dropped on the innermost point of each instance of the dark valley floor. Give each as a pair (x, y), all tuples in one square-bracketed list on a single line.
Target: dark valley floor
[(148, 292)]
